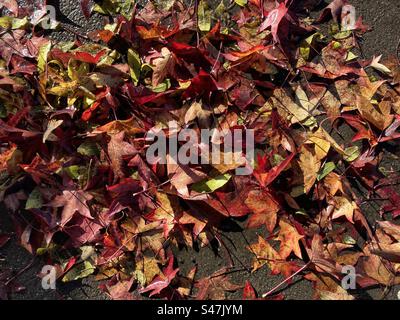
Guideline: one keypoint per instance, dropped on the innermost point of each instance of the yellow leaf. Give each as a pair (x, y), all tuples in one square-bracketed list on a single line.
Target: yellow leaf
[(343, 207), (204, 16), (321, 147), (310, 166), (289, 238), (42, 56)]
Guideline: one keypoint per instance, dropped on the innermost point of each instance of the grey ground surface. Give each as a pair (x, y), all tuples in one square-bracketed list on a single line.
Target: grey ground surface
[(382, 15)]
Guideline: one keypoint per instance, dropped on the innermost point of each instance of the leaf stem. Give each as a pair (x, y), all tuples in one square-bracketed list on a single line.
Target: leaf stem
[(286, 280)]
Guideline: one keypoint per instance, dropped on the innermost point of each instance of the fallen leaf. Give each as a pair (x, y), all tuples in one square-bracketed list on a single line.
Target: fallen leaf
[(215, 286), (310, 167), (264, 210), (369, 112), (343, 207), (72, 201), (289, 238)]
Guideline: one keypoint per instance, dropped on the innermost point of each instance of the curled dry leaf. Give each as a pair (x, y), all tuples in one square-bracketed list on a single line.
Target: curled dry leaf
[(215, 286)]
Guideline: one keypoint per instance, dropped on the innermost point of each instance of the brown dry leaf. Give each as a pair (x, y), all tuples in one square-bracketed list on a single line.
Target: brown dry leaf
[(137, 225), (341, 295), (120, 290), (182, 176), (199, 223), (385, 107), (167, 210), (374, 268), (335, 248), (185, 284), (393, 64), (369, 112), (320, 257), (153, 240), (333, 184), (390, 252), (326, 288), (131, 127), (72, 201), (289, 238), (310, 166), (344, 258), (229, 161), (196, 111), (347, 91), (146, 269), (343, 207), (118, 149), (162, 66), (51, 126), (287, 108), (367, 88), (142, 235), (322, 134), (322, 146), (349, 259), (10, 159), (390, 229), (215, 286), (264, 253), (305, 103), (331, 104), (264, 210)]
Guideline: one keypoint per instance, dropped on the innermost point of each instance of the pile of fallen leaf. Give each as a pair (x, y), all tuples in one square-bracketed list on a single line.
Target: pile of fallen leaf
[(73, 117)]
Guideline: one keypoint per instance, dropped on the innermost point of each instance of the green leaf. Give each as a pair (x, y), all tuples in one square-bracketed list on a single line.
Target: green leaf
[(73, 171), (220, 9), (127, 8), (241, 3), (305, 48), (42, 56), (88, 253), (277, 159), (209, 186), (162, 87), (336, 45), (349, 240), (351, 56), (140, 277), (134, 65), (112, 7), (3, 111), (301, 212), (49, 249), (351, 154), (89, 149), (327, 169), (35, 200), (297, 191), (204, 16), (311, 122), (65, 46), (77, 70), (8, 22), (164, 5), (99, 9), (81, 270), (342, 35)]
